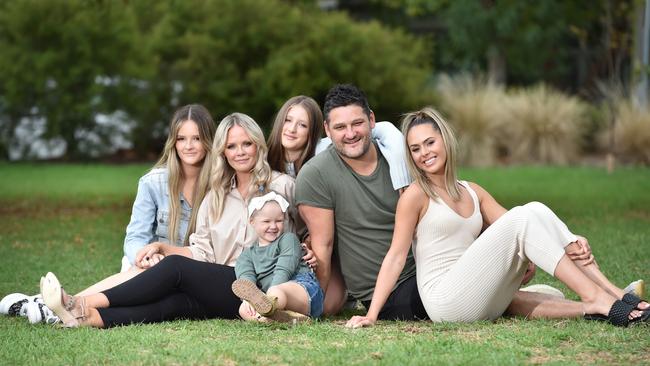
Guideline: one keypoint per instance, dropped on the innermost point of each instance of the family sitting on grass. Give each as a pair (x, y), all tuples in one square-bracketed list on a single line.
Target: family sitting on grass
[(439, 248)]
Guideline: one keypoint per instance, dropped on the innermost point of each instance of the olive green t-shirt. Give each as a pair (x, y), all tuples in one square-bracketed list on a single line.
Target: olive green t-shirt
[(364, 216)]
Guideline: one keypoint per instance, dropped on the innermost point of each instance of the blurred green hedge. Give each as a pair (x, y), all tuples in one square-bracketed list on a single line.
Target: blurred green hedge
[(65, 62)]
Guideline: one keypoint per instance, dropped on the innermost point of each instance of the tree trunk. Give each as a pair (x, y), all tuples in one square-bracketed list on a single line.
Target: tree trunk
[(641, 54), (497, 66)]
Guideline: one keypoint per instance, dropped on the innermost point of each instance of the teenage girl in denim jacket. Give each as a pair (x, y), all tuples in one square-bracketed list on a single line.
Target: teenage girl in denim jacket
[(162, 210)]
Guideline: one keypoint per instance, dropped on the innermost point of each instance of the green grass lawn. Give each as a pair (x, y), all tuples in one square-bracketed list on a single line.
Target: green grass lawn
[(70, 219)]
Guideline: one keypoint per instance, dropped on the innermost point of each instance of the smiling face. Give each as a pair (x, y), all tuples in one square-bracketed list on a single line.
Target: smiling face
[(240, 151), (268, 222), (189, 147), (427, 149), (350, 130), (295, 130)]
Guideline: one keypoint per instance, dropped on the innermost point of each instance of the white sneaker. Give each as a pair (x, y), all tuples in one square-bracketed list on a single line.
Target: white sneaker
[(13, 304), (543, 289), (636, 288), (38, 312)]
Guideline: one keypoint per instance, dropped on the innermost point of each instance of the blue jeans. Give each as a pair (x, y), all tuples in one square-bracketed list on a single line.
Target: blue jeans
[(315, 294)]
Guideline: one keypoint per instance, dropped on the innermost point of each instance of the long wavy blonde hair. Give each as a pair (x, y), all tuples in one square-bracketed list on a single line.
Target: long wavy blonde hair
[(428, 115), (170, 161), (223, 173)]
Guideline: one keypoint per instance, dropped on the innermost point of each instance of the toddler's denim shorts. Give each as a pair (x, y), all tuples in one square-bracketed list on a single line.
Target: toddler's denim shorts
[(309, 282)]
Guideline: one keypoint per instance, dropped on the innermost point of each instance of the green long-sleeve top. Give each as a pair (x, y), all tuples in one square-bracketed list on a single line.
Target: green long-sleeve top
[(272, 264)]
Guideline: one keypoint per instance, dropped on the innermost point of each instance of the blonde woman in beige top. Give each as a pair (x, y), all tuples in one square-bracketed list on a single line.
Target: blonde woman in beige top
[(190, 282), (471, 254)]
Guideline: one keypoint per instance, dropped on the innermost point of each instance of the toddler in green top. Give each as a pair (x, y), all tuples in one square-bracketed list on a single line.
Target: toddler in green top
[(273, 265)]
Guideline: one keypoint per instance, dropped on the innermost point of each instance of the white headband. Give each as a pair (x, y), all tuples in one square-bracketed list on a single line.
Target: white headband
[(258, 202)]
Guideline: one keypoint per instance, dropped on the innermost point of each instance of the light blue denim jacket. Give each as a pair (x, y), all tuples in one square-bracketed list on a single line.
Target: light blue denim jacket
[(150, 215)]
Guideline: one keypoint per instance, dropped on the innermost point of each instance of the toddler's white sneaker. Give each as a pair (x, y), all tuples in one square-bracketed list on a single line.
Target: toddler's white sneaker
[(13, 304), (38, 312)]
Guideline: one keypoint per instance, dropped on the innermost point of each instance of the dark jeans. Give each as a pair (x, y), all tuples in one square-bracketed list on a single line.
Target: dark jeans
[(404, 303), (176, 288)]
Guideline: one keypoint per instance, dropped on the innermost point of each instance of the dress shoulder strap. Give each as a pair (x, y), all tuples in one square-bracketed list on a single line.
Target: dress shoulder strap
[(472, 193)]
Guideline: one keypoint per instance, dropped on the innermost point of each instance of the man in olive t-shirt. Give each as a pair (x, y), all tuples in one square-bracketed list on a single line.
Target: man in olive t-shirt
[(345, 196)]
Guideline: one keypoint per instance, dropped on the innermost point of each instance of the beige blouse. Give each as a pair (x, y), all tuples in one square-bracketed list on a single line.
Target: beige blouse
[(222, 241)]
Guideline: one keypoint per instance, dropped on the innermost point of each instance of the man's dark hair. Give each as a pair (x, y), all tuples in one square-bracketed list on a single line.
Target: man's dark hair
[(342, 95)]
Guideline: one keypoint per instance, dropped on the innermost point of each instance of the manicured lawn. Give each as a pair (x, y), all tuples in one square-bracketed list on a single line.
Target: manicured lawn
[(70, 219)]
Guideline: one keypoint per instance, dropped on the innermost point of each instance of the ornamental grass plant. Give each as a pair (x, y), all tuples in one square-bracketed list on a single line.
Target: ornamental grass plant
[(475, 107), (543, 126), (536, 125), (631, 133)]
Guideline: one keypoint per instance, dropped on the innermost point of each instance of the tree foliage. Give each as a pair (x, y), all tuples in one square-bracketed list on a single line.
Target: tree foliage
[(569, 44), (69, 61), (65, 61)]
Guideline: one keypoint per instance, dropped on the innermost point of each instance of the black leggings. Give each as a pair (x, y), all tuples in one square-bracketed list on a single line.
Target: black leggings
[(176, 288), (404, 303)]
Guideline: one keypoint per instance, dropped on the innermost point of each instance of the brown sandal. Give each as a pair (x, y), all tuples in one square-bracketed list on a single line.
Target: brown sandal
[(291, 317), (247, 290), (265, 305)]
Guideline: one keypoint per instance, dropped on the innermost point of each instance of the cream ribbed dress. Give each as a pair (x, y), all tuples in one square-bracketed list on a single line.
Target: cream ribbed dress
[(465, 277)]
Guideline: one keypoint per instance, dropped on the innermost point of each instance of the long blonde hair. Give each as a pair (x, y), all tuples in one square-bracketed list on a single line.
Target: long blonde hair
[(223, 173), (428, 115), (170, 161)]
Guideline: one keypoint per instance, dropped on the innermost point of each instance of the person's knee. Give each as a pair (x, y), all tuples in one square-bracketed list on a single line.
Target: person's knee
[(174, 260), (517, 215), (527, 211), (275, 291), (537, 207), (280, 294)]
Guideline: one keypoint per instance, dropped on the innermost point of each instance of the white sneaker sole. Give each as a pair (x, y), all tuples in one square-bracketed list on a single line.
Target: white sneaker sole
[(543, 289), (52, 294)]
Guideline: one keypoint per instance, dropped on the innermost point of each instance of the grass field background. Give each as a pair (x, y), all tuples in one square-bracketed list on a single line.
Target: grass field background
[(70, 219)]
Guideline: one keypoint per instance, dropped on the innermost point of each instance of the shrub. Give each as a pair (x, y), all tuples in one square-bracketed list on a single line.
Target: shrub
[(631, 133), (544, 126), (65, 62), (145, 58), (475, 107), (258, 53), (389, 65), (533, 125)]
